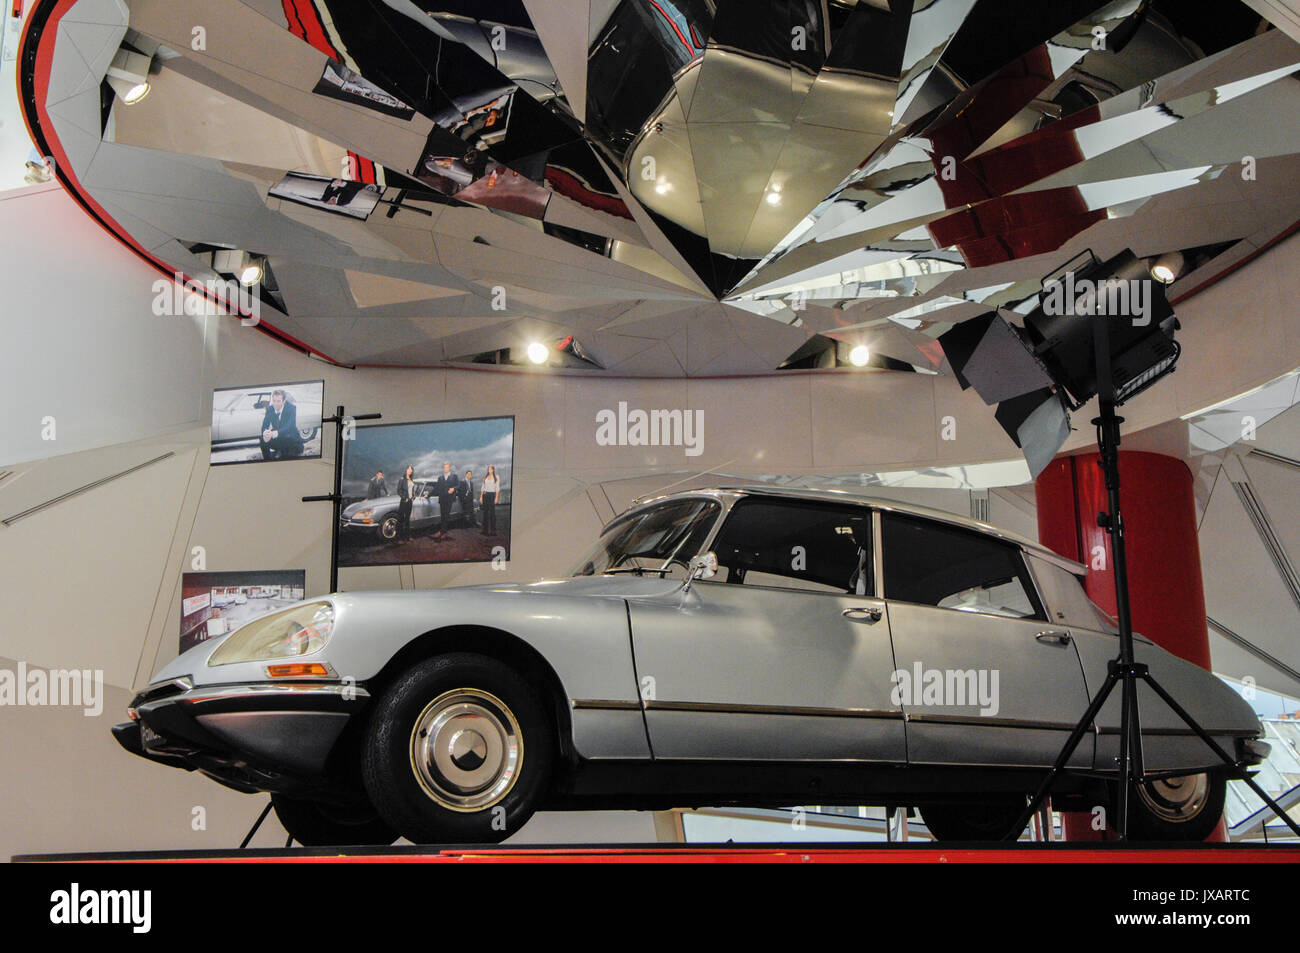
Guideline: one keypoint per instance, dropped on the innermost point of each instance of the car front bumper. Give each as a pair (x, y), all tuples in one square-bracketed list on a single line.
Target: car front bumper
[(251, 736)]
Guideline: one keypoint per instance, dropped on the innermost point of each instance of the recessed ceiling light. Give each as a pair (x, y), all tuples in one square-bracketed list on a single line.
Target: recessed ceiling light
[(537, 352), (1167, 267), (859, 356), (128, 75), (251, 274)]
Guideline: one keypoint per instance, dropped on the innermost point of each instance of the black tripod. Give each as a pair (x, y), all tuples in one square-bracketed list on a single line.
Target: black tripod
[(339, 421), (1124, 671)]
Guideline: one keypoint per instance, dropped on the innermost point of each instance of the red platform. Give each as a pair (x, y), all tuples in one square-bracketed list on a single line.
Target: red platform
[(927, 853)]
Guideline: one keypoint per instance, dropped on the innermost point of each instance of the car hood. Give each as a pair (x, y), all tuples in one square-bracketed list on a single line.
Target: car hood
[(369, 504)]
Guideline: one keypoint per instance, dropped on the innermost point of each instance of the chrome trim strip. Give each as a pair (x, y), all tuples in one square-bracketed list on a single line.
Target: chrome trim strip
[(724, 709), (993, 722), (1185, 732), (256, 689), (603, 704)]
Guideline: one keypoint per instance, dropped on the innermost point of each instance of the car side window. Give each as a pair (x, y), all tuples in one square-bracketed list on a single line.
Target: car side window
[(1065, 596), (792, 544), (931, 563)]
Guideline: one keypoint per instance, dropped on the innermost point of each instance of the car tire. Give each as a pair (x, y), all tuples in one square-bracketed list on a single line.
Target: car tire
[(315, 824), (1186, 808), (458, 750), (979, 821), (388, 528), (307, 432)]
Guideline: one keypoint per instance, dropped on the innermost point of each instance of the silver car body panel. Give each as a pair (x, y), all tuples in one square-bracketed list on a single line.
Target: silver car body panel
[(749, 673)]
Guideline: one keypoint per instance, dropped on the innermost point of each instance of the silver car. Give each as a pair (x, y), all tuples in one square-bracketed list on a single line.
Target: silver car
[(749, 646), (378, 517)]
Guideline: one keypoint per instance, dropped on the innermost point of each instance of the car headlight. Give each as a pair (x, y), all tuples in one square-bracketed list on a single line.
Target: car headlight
[(298, 631), (363, 515)]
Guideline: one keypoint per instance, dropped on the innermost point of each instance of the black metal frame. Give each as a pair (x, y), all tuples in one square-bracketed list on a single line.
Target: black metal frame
[(338, 420), (1124, 670)]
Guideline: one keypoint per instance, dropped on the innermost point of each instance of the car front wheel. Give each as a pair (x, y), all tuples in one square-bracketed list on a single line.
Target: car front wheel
[(1186, 808), (388, 528), (458, 750), (307, 432), (316, 824)]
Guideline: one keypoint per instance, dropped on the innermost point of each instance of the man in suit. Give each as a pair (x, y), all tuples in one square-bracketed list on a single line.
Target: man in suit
[(377, 487), (280, 437), (467, 498), (447, 487)]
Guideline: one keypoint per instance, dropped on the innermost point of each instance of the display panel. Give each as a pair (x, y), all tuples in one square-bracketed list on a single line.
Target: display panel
[(341, 196), (265, 422), (214, 603), (453, 506)]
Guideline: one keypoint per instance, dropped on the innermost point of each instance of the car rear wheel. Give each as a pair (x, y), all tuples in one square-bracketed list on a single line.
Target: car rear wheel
[(989, 821), (1186, 808), (316, 824), (458, 750)]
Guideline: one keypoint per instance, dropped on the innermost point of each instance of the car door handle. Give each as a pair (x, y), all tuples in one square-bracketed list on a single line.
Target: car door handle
[(866, 614), (1055, 638)]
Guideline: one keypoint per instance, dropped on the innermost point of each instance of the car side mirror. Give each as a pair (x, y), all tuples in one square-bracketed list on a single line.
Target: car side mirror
[(704, 566)]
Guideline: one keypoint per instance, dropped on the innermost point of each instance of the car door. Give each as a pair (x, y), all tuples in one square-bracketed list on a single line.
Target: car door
[(983, 676), (785, 655)]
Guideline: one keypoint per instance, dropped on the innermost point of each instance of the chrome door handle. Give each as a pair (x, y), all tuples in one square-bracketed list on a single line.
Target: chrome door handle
[(1056, 638), (862, 614)]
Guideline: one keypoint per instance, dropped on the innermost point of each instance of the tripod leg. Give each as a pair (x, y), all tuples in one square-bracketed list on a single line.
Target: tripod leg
[(256, 824), (1215, 747), (1066, 753)]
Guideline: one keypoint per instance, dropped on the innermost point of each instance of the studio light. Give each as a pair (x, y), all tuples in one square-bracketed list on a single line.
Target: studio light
[(128, 75), (1037, 374), (859, 356), (538, 352)]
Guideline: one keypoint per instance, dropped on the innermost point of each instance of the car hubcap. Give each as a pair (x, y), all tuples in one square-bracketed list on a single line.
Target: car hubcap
[(1176, 799), (466, 749)]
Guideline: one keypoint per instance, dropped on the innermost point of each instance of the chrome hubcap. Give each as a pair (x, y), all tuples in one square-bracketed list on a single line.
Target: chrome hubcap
[(1176, 799), (466, 749)]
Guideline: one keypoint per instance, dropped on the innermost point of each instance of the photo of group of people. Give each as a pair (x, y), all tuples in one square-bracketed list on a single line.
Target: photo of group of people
[(266, 422), (427, 492), (341, 196)]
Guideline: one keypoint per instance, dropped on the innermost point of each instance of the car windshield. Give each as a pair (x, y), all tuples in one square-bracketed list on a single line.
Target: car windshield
[(653, 539)]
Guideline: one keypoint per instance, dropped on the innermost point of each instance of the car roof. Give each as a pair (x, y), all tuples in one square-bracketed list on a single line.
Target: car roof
[(845, 496)]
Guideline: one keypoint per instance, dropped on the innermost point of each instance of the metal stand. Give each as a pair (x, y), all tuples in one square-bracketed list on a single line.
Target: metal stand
[(336, 497), (1123, 670)]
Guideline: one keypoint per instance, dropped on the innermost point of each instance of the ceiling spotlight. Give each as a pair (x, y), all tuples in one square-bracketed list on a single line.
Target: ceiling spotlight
[(251, 274), (538, 353), (1167, 267), (247, 269), (859, 356), (774, 195), (128, 75)]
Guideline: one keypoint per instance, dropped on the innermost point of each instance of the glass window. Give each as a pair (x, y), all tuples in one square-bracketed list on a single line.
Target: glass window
[(935, 564), (652, 539), (1065, 597), (797, 545)]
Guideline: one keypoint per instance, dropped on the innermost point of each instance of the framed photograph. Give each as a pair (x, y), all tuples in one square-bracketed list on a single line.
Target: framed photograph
[(265, 422), (340, 196), (428, 492), (214, 603), (340, 82)]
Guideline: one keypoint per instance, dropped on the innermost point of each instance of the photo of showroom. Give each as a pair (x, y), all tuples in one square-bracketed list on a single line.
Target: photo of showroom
[(856, 431)]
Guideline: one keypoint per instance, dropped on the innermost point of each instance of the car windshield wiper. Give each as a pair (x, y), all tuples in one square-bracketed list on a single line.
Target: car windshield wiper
[(639, 570)]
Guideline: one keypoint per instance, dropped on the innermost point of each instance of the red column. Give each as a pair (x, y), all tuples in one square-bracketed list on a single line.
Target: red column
[(1164, 559)]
